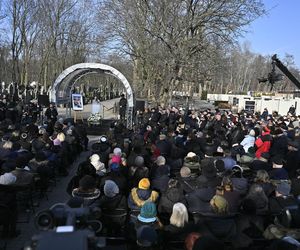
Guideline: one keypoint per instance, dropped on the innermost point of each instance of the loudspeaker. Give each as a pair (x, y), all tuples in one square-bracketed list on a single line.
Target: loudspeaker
[(43, 100), (140, 105)]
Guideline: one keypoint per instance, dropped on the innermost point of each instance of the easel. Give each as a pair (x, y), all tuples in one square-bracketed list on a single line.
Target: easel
[(78, 115)]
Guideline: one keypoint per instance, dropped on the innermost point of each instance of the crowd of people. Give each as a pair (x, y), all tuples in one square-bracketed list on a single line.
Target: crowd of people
[(32, 155), (196, 180), (181, 179)]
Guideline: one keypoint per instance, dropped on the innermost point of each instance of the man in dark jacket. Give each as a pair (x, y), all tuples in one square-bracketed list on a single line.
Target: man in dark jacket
[(261, 163), (173, 194), (279, 145), (282, 198), (122, 107), (51, 113), (278, 172), (186, 181), (164, 146), (293, 159)]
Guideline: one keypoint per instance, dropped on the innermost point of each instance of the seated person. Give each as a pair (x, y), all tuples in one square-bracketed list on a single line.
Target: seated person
[(142, 194), (87, 192), (179, 228)]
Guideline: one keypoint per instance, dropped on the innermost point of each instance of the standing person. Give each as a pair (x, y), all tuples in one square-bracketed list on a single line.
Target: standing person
[(122, 107), (292, 110), (51, 113)]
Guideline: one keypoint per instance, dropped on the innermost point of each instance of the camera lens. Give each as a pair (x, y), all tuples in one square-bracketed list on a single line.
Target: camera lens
[(44, 220)]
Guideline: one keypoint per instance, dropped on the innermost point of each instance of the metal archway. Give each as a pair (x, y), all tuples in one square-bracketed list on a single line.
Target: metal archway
[(61, 88)]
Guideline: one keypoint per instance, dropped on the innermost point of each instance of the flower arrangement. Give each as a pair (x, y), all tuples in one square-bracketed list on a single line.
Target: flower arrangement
[(94, 119)]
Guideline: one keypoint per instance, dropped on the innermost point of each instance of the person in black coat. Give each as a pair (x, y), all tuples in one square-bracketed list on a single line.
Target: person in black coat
[(278, 172), (262, 163), (51, 113), (280, 144), (293, 159), (112, 199), (173, 194), (164, 146), (186, 181), (282, 199)]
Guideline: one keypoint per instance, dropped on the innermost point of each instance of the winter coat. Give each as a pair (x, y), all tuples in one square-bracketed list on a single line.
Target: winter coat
[(260, 165), (198, 201), (112, 203), (41, 167), (248, 142), (136, 174), (173, 233), (263, 144), (160, 183), (24, 177), (293, 163), (164, 147), (193, 163), (279, 146), (278, 174), (138, 197), (169, 198), (188, 184)]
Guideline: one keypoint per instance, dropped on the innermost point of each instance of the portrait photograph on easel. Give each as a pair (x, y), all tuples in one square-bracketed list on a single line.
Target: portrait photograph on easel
[(77, 102)]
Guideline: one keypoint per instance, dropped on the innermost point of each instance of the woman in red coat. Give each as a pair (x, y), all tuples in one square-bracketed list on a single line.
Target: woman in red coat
[(263, 143)]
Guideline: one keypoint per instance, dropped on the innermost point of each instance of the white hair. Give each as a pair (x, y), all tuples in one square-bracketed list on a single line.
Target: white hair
[(7, 145), (179, 215), (61, 137)]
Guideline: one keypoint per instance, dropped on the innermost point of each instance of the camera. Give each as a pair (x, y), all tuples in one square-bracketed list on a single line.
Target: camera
[(63, 227)]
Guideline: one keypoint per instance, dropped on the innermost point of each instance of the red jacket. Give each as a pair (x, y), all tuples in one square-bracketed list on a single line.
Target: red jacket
[(263, 143)]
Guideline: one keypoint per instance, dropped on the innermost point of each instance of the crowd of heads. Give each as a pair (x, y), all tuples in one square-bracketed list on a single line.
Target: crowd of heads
[(204, 179)]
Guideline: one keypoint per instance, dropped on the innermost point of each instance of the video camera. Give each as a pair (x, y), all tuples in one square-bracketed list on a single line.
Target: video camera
[(64, 227)]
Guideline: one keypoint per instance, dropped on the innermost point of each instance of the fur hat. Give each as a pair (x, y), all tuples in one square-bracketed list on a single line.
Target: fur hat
[(185, 172), (110, 188), (191, 155), (144, 183), (148, 213)]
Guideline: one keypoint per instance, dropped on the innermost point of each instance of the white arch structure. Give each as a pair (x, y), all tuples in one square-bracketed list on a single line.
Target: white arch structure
[(61, 89)]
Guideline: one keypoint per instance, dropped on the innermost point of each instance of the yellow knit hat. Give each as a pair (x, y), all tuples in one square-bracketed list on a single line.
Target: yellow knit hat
[(144, 183)]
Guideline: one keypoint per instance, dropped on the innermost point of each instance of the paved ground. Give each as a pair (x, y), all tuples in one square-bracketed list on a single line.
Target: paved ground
[(57, 195)]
